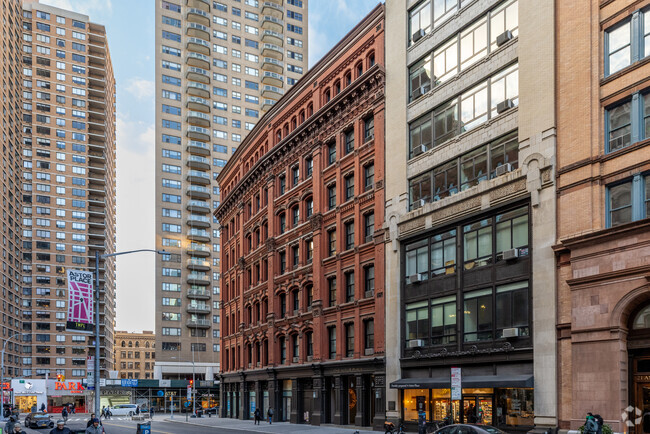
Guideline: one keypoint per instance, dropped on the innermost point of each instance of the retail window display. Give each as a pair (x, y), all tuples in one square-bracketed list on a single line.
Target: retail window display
[(415, 400), (515, 407)]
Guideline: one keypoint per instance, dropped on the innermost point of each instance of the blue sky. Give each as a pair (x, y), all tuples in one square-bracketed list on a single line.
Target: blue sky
[(130, 27)]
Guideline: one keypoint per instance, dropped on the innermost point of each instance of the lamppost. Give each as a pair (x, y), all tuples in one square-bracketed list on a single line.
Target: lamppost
[(97, 258), (2, 373)]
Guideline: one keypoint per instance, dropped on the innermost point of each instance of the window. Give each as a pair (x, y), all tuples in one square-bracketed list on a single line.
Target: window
[(417, 320), (628, 201), (282, 184), (477, 243), (331, 242), (349, 235), (331, 153), (309, 205), (369, 280), (623, 127), (349, 141), (443, 253), (349, 187), (349, 286), (283, 262), (369, 177), (309, 166), (282, 223), (443, 320), (295, 212), (369, 129), (369, 226), (331, 196), (420, 21), (331, 332), (349, 340)]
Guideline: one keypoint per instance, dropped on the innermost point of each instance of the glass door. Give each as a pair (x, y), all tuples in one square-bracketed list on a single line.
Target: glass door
[(484, 410)]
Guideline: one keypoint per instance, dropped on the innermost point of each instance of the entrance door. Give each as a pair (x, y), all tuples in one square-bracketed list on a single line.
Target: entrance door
[(642, 402), (477, 409)]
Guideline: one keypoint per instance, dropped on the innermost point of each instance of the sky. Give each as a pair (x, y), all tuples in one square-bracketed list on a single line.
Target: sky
[(130, 27)]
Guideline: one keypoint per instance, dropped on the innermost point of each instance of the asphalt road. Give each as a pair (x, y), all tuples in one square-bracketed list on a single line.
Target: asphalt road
[(158, 427)]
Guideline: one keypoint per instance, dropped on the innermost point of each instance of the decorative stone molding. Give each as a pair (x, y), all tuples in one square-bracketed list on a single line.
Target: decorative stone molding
[(270, 244)]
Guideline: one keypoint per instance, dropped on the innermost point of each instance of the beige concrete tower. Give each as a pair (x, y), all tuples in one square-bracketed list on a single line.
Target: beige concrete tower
[(219, 66), (470, 211), (68, 182)]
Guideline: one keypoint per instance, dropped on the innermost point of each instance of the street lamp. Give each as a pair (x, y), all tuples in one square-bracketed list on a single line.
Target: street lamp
[(2, 373), (97, 258)]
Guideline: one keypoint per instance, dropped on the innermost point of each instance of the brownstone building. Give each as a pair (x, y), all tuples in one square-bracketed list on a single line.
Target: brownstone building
[(302, 246), (603, 205), (135, 354)]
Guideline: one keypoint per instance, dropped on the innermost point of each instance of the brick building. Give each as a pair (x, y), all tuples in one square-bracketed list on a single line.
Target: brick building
[(603, 205), (135, 354), (302, 246)]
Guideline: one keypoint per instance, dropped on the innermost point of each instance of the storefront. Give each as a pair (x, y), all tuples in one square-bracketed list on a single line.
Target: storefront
[(112, 396), (68, 393), (502, 401), (29, 394)]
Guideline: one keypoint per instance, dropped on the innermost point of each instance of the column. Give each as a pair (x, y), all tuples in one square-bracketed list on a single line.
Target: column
[(318, 396), (361, 417), (339, 401)]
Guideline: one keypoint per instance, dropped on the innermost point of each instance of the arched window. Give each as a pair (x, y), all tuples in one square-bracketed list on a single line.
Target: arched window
[(146, 345), (130, 344), (337, 87), (137, 344), (286, 130), (371, 59), (123, 344), (642, 319), (302, 116), (327, 96), (359, 69), (294, 123), (347, 79), (310, 109), (278, 136)]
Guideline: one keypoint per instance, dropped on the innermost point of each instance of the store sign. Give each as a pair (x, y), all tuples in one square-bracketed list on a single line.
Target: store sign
[(80, 301), (129, 383), (456, 384), (71, 386), (6, 386)]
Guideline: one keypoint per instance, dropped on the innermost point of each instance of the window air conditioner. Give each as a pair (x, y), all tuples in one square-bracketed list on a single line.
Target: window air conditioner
[(418, 35), (504, 37), (420, 149), (419, 91), (310, 358), (503, 169), (369, 351), (418, 204), (504, 105), (416, 278), (511, 332), (295, 360), (416, 343), (511, 254)]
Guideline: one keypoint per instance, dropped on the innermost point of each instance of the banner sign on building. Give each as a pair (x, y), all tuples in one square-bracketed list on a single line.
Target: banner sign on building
[(80, 301), (129, 383), (456, 384)]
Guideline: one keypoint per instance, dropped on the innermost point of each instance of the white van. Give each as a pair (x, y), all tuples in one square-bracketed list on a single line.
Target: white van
[(123, 410)]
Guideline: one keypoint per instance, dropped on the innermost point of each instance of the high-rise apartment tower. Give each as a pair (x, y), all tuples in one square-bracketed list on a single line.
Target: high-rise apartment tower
[(219, 66)]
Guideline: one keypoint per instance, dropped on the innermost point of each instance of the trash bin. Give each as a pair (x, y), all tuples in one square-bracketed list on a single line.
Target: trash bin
[(144, 428), (199, 413)]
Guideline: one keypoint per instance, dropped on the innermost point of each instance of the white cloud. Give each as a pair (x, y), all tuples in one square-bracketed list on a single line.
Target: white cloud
[(135, 228), (319, 43), (141, 88), (97, 10)]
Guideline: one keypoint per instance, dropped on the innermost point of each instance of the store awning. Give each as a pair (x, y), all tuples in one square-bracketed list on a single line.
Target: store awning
[(470, 381)]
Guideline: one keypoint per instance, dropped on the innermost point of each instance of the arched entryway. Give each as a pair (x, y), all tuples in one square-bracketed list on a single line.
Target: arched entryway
[(638, 347)]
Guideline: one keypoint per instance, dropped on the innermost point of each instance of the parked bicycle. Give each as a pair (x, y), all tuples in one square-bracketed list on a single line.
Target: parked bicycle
[(390, 428)]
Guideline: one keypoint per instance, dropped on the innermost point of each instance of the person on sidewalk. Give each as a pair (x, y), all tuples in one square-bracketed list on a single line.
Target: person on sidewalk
[(151, 412), (9, 426), (60, 428), (64, 413), (591, 426), (269, 414), (90, 421), (257, 416), (18, 429), (95, 428)]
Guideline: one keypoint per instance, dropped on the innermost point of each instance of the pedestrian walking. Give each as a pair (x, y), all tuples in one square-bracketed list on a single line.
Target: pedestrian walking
[(257, 415), (137, 410), (9, 426), (109, 413), (95, 428), (269, 414), (64, 414), (591, 426), (90, 421), (43, 407), (61, 428), (18, 429), (151, 412), (600, 422)]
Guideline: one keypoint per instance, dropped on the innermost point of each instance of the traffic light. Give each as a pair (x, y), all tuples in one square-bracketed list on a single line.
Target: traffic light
[(60, 377), (192, 384)]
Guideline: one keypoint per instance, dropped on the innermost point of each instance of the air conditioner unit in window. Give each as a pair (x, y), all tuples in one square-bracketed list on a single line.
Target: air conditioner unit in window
[(415, 278), (419, 34), (420, 149), (510, 333), (368, 238), (503, 169), (505, 105), (504, 37), (369, 351), (511, 254), (416, 343), (419, 91), (419, 203), (295, 360)]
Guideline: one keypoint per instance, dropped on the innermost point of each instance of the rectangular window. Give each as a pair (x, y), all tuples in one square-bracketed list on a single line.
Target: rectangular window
[(369, 280), (331, 196), (349, 235), (349, 340), (369, 226), (369, 176), (443, 320), (331, 332), (618, 43), (417, 320), (369, 334), (477, 243), (368, 129), (349, 187), (349, 141), (331, 242), (628, 201)]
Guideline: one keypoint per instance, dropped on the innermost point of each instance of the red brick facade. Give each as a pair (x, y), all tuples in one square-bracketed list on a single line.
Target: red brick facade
[(302, 246)]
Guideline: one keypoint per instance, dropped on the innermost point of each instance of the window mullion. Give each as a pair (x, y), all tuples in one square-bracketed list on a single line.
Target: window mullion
[(636, 37), (637, 197), (636, 118)]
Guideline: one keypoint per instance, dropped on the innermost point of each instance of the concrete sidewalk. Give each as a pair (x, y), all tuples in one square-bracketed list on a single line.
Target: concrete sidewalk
[(265, 427)]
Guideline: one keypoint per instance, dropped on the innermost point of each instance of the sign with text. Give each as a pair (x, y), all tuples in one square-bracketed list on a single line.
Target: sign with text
[(456, 384), (80, 301), (72, 386), (129, 383)]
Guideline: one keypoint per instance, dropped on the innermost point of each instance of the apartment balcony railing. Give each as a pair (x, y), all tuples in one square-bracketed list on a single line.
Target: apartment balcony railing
[(196, 177), (198, 148), (198, 192)]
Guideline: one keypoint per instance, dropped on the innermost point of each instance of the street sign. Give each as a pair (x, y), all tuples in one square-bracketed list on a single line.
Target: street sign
[(189, 392), (187, 404), (456, 384)]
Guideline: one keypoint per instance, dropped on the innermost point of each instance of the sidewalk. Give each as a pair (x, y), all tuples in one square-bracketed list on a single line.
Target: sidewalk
[(264, 427)]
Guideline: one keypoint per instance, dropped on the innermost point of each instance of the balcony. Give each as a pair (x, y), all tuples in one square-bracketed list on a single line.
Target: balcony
[(198, 74), (203, 309), (198, 250), (199, 294), (196, 103), (195, 88), (273, 51), (196, 15), (273, 65), (198, 45), (272, 78), (198, 206), (272, 23), (267, 104), (272, 9), (277, 2), (272, 92), (198, 279), (198, 264), (198, 235), (198, 118), (198, 133), (198, 30), (199, 4), (271, 37), (198, 323), (197, 59), (196, 177), (198, 221), (198, 148), (198, 192)]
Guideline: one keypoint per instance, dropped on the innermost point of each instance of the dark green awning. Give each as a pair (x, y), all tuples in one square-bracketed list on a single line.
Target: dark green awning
[(470, 381)]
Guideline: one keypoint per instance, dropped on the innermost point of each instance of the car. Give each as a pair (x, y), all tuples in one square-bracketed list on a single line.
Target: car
[(467, 428), (39, 420), (124, 410)]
